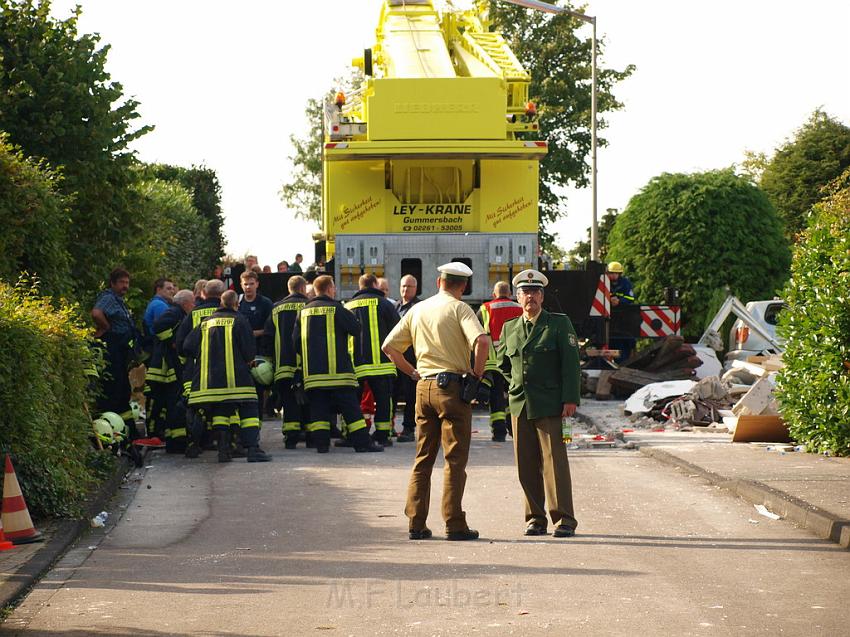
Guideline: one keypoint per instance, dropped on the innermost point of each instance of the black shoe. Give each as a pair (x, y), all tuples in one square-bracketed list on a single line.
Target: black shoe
[(385, 443), (322, 448), (371, 447), (343, 442), (535, 528), (562, 530), (421, 534), (238, 452), (290, 444), (496, 438), (406, 436), (193, 450), (460, 536), (255, 454)]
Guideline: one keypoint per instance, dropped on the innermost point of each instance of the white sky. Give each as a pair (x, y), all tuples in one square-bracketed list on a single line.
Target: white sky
[(225, 84)]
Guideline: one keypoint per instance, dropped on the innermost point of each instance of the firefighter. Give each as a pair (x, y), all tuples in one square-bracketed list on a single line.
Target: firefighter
[(321, 337), (223, 348), (207, 306), (622, 293), (493, 315), (377, 317), (115, 328), (278, 346), (166, 417)]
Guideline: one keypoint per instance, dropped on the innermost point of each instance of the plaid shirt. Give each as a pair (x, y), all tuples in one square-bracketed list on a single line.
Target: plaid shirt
[(116, 312)]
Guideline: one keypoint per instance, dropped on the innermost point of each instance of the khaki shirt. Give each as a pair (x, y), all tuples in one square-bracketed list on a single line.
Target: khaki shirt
[(442, 331)]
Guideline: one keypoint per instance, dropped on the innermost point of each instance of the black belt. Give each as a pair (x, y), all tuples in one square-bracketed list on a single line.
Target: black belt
[(451, 375)]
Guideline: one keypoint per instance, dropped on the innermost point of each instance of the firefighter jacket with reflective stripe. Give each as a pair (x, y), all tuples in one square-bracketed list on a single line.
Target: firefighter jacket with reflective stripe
[(277, 339), (321, 337), (164, 365), (377, 318), (493, 315), (623, 290), (222, 348), (203, 309)]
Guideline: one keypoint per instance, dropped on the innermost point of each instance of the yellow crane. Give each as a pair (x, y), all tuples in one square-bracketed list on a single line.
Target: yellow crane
[(422, 163)]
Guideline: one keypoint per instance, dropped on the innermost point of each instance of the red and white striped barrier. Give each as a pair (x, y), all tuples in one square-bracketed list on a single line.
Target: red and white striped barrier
[(658, 321), (601, 305)]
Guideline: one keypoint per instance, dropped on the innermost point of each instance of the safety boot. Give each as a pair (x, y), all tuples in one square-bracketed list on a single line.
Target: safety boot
[(255, 454), (223, 439)]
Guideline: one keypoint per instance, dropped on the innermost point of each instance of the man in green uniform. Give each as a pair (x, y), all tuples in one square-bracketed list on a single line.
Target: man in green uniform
[(320, 336), (539, 354), (223, 348)]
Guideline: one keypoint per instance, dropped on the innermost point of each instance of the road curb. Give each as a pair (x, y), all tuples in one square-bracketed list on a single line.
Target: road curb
[(68, 532), (822, 523)]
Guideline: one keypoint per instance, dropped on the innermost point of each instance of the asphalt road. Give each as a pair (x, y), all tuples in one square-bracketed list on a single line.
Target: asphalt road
[(311, 545)]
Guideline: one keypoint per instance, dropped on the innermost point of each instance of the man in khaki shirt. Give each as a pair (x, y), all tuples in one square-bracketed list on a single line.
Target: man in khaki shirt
[(442, 330)]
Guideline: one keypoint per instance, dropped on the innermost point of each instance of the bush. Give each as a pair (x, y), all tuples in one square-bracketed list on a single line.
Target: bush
[(814, 387), (43, 393), (34, 222), (700, 233)]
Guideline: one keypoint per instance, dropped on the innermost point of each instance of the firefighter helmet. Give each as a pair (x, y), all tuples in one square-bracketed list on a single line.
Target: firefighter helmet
[(119, 427), (102, 430), (615, 267), (263, 372)]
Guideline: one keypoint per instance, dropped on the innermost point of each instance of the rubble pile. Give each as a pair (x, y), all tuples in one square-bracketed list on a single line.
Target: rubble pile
[(745, 389), (667, 359)]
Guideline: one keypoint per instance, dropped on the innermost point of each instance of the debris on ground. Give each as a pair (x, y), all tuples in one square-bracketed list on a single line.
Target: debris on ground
[(714, 403)]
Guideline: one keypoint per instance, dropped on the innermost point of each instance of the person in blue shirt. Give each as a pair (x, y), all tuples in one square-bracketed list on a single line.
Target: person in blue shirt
[(622, 293), (163, 295), (116, 331), (257, 309)]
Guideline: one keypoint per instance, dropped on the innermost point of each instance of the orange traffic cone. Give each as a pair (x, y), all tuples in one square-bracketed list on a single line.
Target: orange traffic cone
[(16, 518)]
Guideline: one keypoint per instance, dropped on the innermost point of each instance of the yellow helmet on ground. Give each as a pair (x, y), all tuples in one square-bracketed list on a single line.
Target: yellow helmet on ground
[(615, 267), (102, 430), (119, 427)]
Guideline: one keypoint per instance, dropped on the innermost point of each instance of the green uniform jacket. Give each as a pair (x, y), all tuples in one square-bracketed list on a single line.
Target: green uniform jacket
[(543, 371)]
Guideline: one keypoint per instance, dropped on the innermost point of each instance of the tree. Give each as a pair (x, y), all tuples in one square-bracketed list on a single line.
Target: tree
[(699, 233), (202, 183), (176, 240), (560, 65), (580, 254), (814, 386), (34, 219), (799, 169), (58, 103), (304, 192)]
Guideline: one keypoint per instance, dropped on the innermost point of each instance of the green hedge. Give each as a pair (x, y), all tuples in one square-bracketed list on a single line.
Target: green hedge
[(700, 233), (43, 393), (814, 387)]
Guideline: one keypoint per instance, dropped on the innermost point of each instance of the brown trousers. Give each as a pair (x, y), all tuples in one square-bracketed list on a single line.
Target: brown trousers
[(541, 460), (442, 417)]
